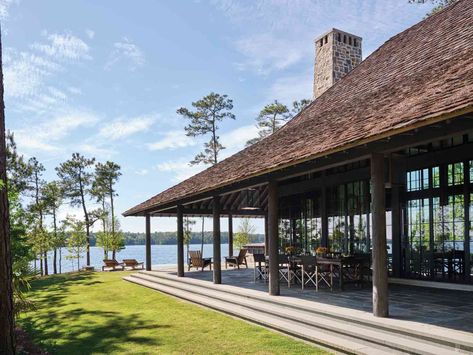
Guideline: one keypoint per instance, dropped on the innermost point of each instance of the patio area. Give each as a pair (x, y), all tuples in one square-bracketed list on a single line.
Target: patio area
[(445, 308)]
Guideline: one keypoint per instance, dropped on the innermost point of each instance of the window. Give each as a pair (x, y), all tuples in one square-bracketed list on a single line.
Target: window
[(418, 180), (455, 174)]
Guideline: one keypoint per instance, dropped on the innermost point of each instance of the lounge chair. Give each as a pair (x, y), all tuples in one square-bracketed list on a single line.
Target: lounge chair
[(197, 261), (111, 265), (237, 260), (133, 264)]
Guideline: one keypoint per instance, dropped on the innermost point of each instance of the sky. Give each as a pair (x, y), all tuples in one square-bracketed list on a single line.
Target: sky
[(105, 78)]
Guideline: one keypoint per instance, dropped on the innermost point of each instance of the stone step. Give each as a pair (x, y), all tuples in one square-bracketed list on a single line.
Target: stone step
[(311, 334), (449, 338), (370, 334)]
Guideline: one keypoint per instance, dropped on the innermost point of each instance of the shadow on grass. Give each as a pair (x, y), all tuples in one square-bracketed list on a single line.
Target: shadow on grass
[(79, 330), (104, 335)]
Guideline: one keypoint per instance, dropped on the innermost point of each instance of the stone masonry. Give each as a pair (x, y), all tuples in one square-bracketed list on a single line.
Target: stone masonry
[(336, 54)]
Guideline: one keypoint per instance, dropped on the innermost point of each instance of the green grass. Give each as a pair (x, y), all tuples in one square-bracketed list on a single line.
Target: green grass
[(96, 313)]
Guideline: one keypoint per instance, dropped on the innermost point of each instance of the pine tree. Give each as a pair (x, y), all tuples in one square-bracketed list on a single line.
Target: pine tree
[(7, 319), (299, 106), (440, 4), (209, 111), (77, 241), (53, 196), (37, 208), (76, 181), (269, 120)]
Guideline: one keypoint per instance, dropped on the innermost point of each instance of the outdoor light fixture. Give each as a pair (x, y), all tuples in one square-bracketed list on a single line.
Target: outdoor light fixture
[(249, 200)]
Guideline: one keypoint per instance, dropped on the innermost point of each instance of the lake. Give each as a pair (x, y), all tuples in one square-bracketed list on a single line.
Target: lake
[(160, 255)]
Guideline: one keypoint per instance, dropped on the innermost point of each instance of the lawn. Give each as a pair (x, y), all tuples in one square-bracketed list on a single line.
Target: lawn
[(94, 313)]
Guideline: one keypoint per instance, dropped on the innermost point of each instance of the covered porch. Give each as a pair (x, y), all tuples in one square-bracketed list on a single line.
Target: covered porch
[(403, 202)]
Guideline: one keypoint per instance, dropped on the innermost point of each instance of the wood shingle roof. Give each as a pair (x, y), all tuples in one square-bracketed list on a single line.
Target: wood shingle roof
[(416, 76)]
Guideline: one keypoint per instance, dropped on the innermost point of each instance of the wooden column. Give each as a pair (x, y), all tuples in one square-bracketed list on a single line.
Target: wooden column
[(230, 234), (380, 262), (148, 242), (266, 234), (180, 242), (216, 246), (273, 238)]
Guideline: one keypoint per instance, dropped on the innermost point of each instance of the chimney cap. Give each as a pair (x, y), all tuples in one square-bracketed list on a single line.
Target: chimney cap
[(338, 31)]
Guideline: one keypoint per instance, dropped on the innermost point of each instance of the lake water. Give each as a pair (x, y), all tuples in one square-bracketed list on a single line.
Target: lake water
[(160, 255)]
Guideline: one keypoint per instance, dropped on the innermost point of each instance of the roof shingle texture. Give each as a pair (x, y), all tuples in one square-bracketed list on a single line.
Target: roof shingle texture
[(424, 71)]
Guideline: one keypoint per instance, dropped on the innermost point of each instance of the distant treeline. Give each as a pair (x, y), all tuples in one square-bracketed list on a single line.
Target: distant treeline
[(169, 238)]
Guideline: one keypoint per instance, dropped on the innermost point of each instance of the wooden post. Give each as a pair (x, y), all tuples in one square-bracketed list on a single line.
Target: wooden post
[(230, 234), (216, 246), (273, 238), (380, 271), (148, 242), (180, 241)]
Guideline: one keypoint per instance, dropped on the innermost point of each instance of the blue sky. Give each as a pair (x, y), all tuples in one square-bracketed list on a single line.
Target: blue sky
[(104, 78)]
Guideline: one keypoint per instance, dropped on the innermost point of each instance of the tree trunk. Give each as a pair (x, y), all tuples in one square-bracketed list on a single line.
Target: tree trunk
[(41, 264), (113, 254), (7, 320), (60, 260), (46, 263), (86, 217), (55, 261), (55, 241), (104, 227), (112, 209)]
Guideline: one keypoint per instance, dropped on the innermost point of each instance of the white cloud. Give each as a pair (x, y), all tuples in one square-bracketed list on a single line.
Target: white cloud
[(44, 135), (180, 168), (172, 140), (142, 172), (236, 139), (276, 35), (90, 33), (126, 50), (287, 89), (24, 72), (122, 128), (5, 7), (74, 90), (96, 150), (63, 46), (265, 53)]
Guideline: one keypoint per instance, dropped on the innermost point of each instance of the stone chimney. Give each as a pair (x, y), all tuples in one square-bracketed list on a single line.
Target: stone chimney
[(336, 54)]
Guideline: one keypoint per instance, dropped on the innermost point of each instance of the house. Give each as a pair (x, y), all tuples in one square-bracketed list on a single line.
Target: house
[(380, 163)]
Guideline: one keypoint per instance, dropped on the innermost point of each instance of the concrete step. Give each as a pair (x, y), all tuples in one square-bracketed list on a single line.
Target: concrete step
[(311, 334), (364, 335), (370, 334), (444, 337)]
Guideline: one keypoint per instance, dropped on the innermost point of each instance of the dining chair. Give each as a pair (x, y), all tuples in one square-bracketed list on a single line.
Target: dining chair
[(283, 262), (261, 268), (293, 271), (308, 271)]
